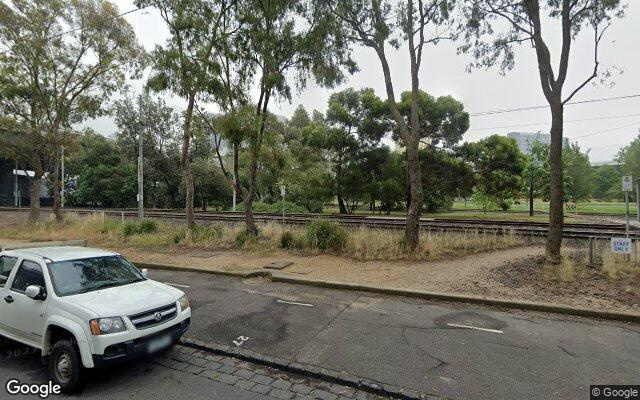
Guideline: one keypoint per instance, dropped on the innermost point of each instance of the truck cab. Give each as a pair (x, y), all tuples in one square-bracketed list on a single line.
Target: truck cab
[(86, 308)]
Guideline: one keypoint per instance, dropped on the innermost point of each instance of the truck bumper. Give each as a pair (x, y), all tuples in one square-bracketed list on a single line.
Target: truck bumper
[(138, 348)]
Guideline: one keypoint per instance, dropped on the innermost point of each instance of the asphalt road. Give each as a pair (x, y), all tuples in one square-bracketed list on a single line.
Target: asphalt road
[(453, 350)]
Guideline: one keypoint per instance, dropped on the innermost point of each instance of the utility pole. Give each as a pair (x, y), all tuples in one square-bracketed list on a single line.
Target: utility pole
[(15, 185), (62, 180), (140, 165), (638, 198)]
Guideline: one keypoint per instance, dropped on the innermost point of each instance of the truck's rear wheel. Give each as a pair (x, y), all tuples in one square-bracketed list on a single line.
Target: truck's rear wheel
[(65, 366)]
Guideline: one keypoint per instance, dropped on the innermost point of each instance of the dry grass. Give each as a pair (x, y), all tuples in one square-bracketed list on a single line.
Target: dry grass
[(371, 244), (618, 266), (362, 243)]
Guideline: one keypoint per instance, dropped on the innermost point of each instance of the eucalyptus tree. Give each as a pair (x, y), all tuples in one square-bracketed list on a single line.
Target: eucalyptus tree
[(187, 64), (355, 123), (493, 30), (59, 61), (383, 24), (158, 125), (283, 39)]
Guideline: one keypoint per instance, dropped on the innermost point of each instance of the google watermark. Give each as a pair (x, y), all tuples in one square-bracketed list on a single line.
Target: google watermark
[(15, 387), (615, 392)]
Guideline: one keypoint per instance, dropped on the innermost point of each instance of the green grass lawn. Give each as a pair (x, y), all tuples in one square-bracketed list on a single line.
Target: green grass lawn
[(518, 212), (582, 207)]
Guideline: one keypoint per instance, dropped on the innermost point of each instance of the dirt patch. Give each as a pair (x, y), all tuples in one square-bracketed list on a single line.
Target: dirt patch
[(533, 278)]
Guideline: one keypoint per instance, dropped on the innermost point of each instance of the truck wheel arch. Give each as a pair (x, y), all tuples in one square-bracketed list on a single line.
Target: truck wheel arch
[(59, 329)]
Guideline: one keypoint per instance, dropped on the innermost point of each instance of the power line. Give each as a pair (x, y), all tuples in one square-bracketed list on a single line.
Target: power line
[(549, 122), (605, 131), (510, 110)]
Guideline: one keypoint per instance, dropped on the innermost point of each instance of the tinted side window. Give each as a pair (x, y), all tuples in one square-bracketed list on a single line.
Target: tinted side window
[(6, 266), (30, 273)]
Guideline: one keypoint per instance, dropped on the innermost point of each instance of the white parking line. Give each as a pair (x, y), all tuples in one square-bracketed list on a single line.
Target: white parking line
[(294, 303), (176, 285), (474, 327)]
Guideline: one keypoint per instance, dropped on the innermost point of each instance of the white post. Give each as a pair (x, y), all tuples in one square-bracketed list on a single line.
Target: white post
[(140, 165), (62, 180), (626, 200)]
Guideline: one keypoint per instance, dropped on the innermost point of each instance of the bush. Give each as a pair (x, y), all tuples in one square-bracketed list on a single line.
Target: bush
[(148, 226), (243, 238), (135, 228), (129, 229), (325, 235), (289, 240), (179, 236)]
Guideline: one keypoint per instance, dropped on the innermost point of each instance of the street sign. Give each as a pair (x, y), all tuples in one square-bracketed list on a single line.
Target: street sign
[(627, 184), (283, 190), (621, 245)]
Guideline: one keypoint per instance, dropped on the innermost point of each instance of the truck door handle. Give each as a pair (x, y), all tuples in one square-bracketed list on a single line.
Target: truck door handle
[(8, 299)]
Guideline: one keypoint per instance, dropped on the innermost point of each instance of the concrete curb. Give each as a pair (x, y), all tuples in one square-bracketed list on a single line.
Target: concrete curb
[(283, 277), (309, 370)]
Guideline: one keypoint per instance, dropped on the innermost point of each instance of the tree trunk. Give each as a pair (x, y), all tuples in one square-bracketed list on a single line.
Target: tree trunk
[(531, 195), (556, 201), (204, 202), (186, 166), (34, 198), (248, 201), (236, 173), (412, 227), (57, 187)]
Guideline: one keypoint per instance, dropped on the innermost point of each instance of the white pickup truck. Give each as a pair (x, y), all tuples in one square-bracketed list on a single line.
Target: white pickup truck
[(86, 308)]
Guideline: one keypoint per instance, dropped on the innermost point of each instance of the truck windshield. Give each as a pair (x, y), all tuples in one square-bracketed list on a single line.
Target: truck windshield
[(88, 274)]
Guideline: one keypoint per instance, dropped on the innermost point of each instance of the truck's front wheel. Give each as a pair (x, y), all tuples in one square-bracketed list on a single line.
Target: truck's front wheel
[(65, 366)]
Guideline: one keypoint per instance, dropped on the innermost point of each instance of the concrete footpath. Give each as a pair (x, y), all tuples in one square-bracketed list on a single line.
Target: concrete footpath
[(456, 351)]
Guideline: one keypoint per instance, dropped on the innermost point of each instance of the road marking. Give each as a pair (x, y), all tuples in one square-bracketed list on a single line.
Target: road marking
[(176, 285), (294, 303), (241, 340), (474, 327)]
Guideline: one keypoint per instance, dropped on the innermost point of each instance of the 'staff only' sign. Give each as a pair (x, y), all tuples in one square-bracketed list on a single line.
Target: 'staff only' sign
[(621, 245)]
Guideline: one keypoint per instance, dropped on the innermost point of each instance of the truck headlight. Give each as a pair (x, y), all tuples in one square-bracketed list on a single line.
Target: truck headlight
[(105, 326), (184, 303)]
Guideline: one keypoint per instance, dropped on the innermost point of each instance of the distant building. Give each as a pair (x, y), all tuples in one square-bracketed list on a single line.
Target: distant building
[(526, 139), (8, 179)]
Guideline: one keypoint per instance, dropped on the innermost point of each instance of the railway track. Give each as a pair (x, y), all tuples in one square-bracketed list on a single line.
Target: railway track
[(525, 228)]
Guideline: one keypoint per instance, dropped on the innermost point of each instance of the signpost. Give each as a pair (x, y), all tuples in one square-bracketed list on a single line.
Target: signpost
[(627, 186)]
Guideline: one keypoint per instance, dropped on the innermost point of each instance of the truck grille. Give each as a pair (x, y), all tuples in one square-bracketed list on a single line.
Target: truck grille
[(154, 317)]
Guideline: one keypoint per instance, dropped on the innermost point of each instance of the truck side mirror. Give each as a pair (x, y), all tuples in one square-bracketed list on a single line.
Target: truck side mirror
[(36, 292), (145, 272)]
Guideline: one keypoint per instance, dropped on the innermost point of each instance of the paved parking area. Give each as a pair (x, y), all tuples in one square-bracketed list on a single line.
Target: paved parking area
[(180, 373)]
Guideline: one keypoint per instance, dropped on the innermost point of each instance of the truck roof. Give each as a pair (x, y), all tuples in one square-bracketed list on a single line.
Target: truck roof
[(61, 253)]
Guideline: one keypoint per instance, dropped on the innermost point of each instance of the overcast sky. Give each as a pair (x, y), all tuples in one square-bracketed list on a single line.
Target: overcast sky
[(612, 124)]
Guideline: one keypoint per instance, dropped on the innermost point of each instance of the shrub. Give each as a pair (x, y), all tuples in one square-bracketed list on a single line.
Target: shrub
[(135, 228), (179, 235), (243, 238), (326, 235), (148, 226), (289, 240), (129, 229)]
